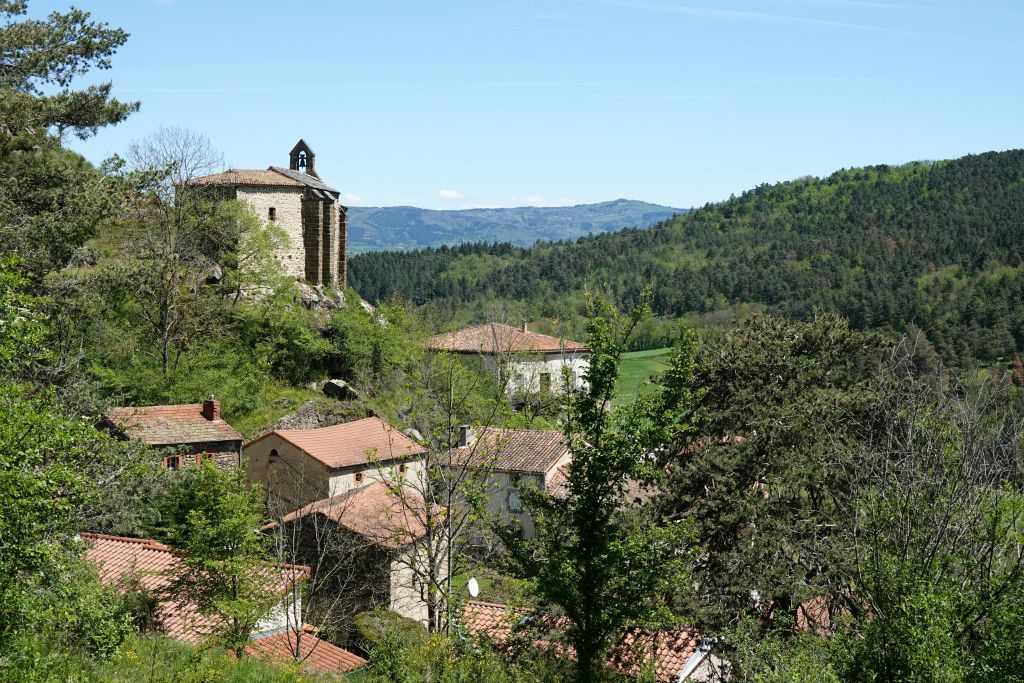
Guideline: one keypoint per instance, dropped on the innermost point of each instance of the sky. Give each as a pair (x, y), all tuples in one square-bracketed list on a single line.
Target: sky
[(494, 103)]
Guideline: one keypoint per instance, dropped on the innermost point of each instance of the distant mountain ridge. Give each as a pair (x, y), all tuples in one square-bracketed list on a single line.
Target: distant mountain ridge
[(408, 227)]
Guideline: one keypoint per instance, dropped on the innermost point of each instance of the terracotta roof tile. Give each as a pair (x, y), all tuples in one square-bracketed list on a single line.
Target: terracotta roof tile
[(671, 649), (498, 338), (315, 653), (374, 512), (156, 567), (247, 176), (352, 443), (171, 425), (514, 450)]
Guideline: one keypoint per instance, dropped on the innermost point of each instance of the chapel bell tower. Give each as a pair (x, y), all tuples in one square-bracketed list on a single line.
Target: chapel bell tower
[(302, 159)]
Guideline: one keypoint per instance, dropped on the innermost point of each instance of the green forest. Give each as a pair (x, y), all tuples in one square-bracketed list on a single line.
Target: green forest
[(932, 246)]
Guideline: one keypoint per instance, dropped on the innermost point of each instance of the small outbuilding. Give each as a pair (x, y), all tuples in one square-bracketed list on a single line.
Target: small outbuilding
[(188, 433)]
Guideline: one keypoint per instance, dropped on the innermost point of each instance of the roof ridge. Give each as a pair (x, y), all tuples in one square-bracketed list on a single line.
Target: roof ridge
[(148, 542)]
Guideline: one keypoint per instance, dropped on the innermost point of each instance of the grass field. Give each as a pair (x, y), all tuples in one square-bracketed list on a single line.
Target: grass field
[(637, 367)]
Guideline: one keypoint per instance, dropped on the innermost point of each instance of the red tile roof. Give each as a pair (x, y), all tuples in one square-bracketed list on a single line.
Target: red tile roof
[(375, 512), (171, 425), (670, 649), (558, 485), (246, 177), (498, 338), (314, 653), (514, 450), (156, 567), (353, 443)]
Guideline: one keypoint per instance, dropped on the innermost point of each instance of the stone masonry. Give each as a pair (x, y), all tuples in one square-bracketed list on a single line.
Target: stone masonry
[(308, 210)]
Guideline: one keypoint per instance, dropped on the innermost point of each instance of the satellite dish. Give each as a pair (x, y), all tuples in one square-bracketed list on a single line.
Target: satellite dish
[(473, 586)]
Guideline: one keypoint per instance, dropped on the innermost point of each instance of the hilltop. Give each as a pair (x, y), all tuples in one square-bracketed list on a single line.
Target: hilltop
[(938, 245), (408, 227)]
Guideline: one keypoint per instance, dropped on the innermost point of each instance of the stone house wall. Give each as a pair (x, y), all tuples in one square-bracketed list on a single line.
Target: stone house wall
[(287, 203)]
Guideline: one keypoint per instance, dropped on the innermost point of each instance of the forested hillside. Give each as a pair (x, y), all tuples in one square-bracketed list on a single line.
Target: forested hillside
[(407, 227), (938, 245)]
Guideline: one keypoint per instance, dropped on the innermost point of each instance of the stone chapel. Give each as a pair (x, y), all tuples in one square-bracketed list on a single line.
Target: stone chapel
[(298, 201)]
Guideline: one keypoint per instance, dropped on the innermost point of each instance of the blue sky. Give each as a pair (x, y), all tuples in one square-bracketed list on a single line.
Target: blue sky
[(457, 104)]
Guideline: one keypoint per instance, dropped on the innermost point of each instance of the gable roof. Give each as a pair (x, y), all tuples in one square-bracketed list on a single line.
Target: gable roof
[(499, 338), (672, 650), (306, 179), (533, 451), (314, 653), (170, 425), (156, 567), (374, 512), (247, 177), (275, 176), (350, 443)]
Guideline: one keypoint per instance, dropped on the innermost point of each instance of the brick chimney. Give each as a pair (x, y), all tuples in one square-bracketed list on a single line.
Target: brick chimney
[(211, 409), (466, 436)]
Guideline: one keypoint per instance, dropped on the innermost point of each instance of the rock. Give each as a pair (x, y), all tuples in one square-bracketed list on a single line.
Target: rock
[(339, 389), (316, 298), (214, 275)]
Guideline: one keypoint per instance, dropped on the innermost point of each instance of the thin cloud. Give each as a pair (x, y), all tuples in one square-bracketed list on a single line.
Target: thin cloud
[(351, 198), (746, 15), (450, 194), (540, 200)]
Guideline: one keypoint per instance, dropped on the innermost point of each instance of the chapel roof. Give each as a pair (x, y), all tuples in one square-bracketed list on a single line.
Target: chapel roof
[(170, 425), (360, 442), (499, 338), (275, 176)]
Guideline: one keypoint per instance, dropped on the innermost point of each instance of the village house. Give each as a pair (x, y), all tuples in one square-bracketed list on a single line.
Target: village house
[(300, 203), (365, 477), (511, 460), (155, 567), (299, 466), (526, 361), (188, 433), (673, 655)]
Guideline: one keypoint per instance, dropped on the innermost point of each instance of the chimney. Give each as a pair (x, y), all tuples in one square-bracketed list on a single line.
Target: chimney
[(466, 437), (211, 409), (525, 327)]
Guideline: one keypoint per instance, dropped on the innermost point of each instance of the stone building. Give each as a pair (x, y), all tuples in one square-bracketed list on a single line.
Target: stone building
[(187, 433), (511, 460), (365, 479), (526, 361), (306, 208)]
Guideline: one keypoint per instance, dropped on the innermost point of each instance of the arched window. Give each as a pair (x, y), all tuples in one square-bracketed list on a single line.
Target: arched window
[(302, 161), (273, 454)]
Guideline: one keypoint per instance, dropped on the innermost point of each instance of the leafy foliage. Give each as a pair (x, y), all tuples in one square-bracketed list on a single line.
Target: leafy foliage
[(603, 567)]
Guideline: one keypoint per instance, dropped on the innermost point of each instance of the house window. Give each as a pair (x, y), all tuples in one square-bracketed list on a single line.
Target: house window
[(515, 503), (172, 462), (401, 469), (359, 477), (201, 458), (273, 454), (272, 214), (545, 381)]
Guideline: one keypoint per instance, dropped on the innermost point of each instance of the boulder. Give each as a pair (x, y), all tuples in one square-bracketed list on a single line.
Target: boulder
[(339, 389)]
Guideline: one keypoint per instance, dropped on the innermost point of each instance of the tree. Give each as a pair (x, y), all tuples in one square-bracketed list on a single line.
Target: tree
[(765, 481), (214, 518), (591, 558), (51, 200)]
